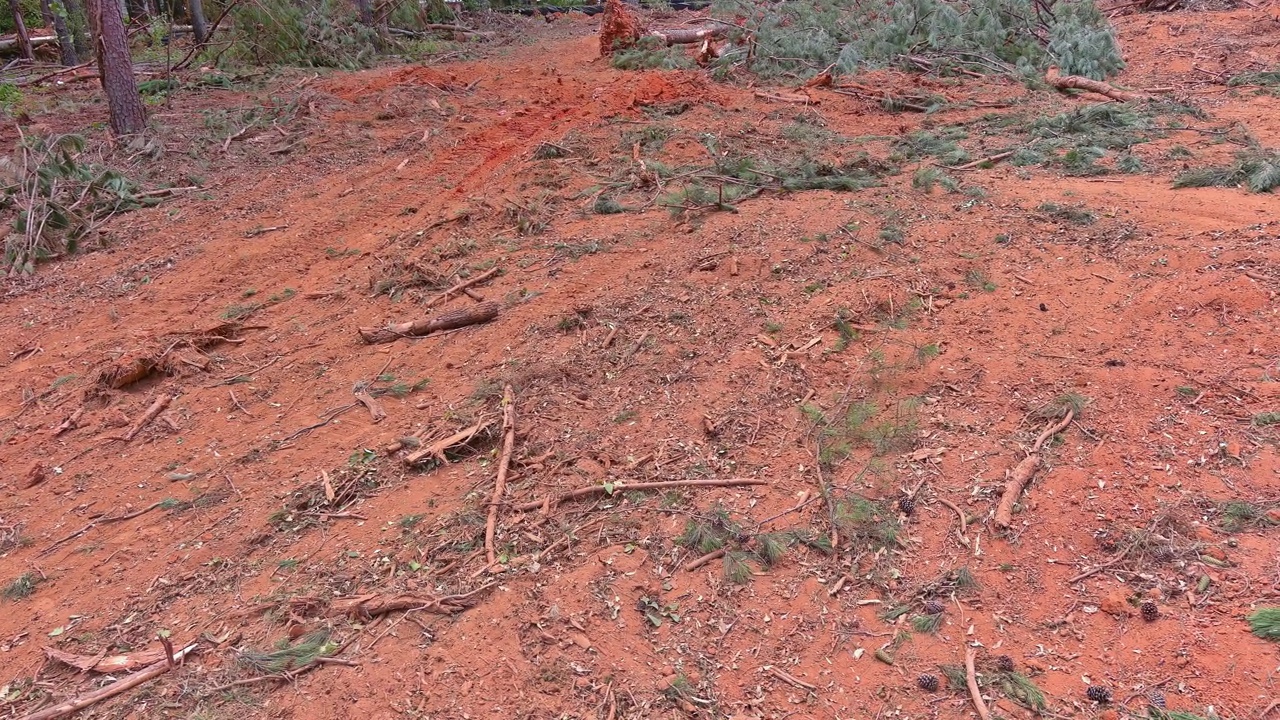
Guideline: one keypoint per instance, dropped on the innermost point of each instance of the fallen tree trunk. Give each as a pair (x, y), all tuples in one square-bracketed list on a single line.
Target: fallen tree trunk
[(1075, 82), (688, 36), (35, 42), (481, 313)]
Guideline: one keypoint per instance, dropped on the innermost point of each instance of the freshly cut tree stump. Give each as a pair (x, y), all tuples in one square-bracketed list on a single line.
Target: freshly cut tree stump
[(451, 320)]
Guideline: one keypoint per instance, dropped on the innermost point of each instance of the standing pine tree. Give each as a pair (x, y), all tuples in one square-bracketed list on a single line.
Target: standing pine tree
[(115, 66), (56, 17), (199, 26)]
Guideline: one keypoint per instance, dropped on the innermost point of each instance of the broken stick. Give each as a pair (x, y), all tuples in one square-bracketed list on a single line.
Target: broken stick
[(508, 443), (688, 36), (156, 408), (75, 705), (971, 679), (482, 313), (699, 562), (461, 287), (610, 489), (1075, 82), (436, 449), (376, 413), (1025, 470)]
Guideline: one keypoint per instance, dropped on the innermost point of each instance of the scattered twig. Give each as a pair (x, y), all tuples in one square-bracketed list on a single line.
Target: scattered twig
[(236, 400), (608, 490), (989, 159), (328, 419), (1095, 570), (972, 679), (376, 413), (791, 679), (77, 704), (508, 444), (964, 521), (71, 423)]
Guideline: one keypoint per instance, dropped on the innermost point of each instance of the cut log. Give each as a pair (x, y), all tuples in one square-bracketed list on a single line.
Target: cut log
[(689, 36), (37, 41), (1075, 82), (481, 313)]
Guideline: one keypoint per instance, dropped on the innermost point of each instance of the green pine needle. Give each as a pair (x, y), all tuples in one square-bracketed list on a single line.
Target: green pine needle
[(1265, 623)]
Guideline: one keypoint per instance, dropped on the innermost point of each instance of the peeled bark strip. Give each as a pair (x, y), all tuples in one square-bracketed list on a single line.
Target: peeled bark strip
[(688, 36), (1075, 82), (75, 705), (481, 313)]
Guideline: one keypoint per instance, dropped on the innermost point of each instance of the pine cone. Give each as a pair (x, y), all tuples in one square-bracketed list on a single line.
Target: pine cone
[(933, 607), (1004, 663), (907, 505), (1150, 611), (928, 683), (1098, 694), (1156, 698)]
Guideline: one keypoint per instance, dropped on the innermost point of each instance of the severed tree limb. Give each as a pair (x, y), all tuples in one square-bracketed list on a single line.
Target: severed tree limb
[(601, 489), (1024, 471), (688, 36), (508, 444), (156, 408), (482, 313), (376, 413), (77, 704), (699, 562), (971, 677), (461, 287), (989, 159), (436, 449), (373, 605), (1075, 82)]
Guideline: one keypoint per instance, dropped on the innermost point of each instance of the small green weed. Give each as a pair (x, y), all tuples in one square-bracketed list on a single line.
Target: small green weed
[(1265, 623), (22, 586), (1066, 213)]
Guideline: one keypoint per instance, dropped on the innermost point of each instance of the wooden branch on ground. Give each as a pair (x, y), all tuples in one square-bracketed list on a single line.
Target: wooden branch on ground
[(1025, 470), (35, 42), (482, 313), (103, 663), (75, 705), (71, 423), (964, 522), (989, 159), (1075, 82), (156, 408), (376, 413), (971, 678), (508, 444), (787, 97), (689, 36), (699, 562), (601, 489), (437, 449), (373, 604), (461, 287)]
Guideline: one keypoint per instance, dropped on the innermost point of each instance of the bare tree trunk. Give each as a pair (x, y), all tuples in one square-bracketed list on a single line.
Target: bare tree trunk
[(115, 65), (75, 20), (58, 21), (20, 28), (364, 6), (199, 26)]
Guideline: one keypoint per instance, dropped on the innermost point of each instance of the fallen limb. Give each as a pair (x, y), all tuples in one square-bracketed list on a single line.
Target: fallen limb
[(699, 562), (461, 287), (989, 159), (689, 36), (1075, 82), (787, 97), (508, 443), (971, 678), (376, 413), (482, 313), (1099, 568), (152, 412), (103, 663), (372, 605), (964, 522), (1024, 471), (437, 449), (77, 704), (610, 489)]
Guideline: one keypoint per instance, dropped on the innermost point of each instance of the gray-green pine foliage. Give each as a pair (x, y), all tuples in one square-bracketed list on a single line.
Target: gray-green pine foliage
[(799, 37)]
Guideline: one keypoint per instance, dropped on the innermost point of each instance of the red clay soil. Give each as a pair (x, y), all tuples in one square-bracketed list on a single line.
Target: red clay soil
[(901, 341)]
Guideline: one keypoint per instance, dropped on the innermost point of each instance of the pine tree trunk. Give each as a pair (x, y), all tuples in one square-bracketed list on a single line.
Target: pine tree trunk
[(58, 21), (75, 21), (115, 65), (199, 26), (20, 28), (364, 6)]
